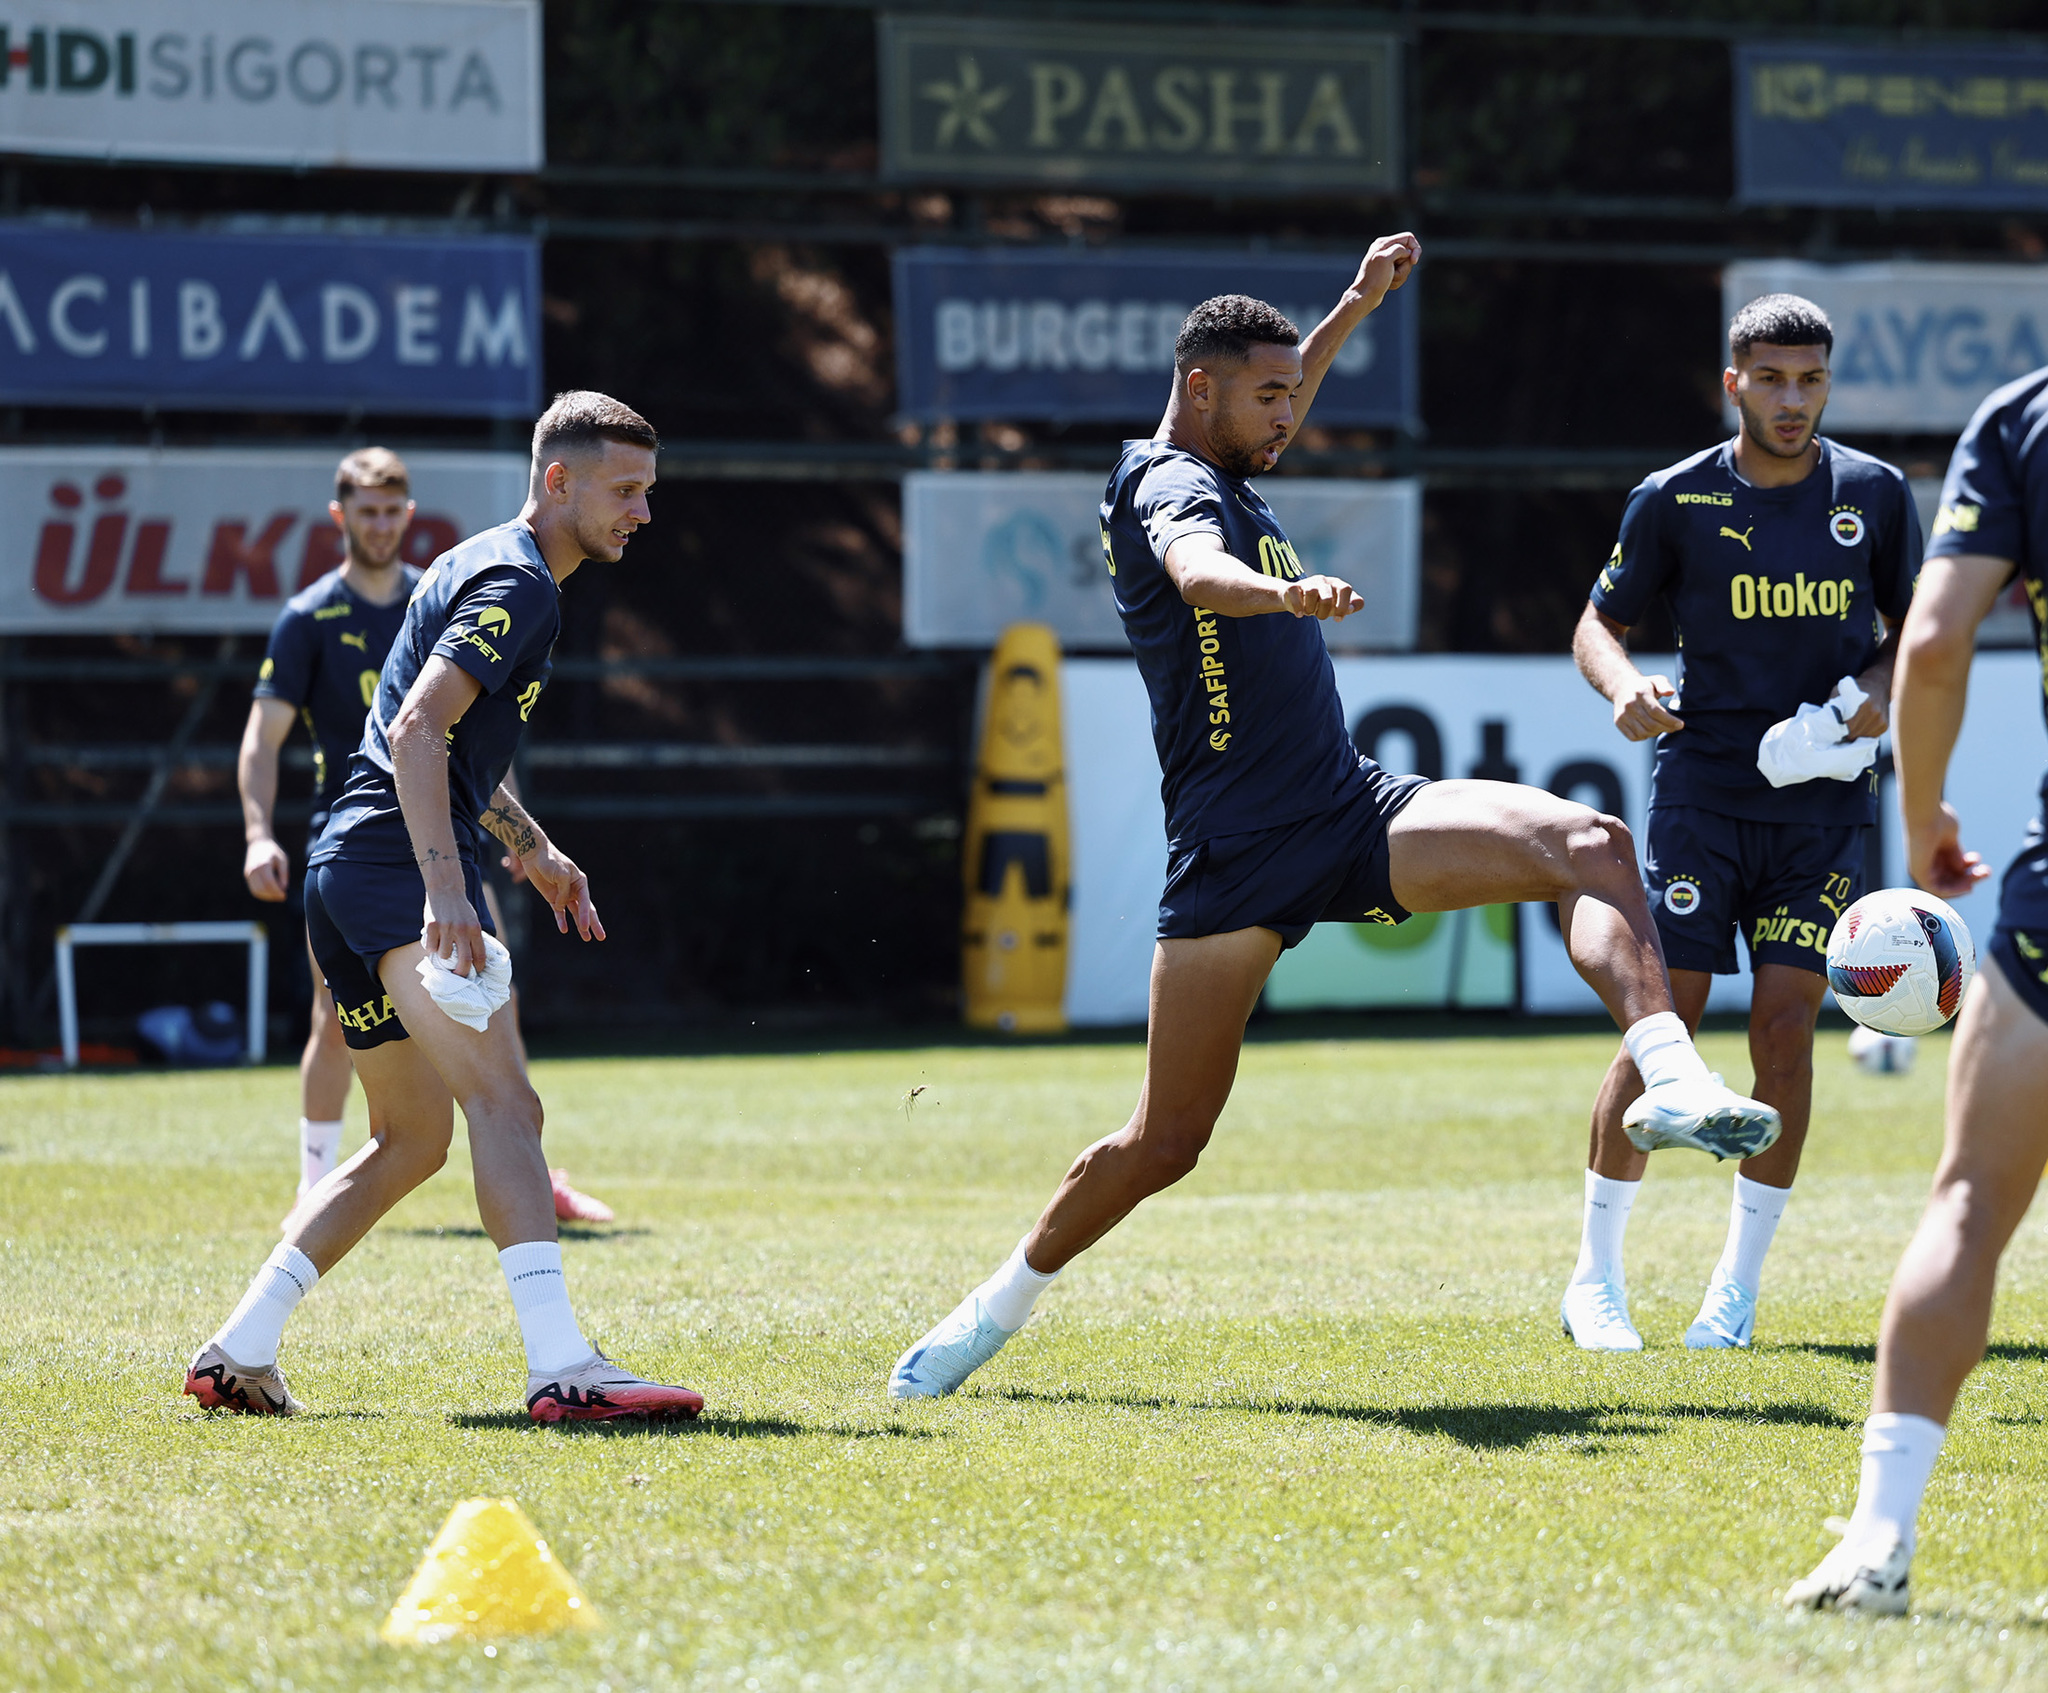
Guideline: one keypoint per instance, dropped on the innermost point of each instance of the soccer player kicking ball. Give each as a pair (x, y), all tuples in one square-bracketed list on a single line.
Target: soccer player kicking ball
[(1993, 522), (1787, 561), (405, 837), (1275, 822)]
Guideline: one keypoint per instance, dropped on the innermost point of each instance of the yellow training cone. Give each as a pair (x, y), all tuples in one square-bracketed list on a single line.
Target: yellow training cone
[(488, 1572)]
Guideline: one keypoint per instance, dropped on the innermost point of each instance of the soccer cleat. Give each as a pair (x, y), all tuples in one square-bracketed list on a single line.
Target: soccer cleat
[(939, 1363), (1727, 1316), (221, 1384), (1866, 1575), (1706, 1116), (574, 1207), (1595, 1316), (597, 1390)]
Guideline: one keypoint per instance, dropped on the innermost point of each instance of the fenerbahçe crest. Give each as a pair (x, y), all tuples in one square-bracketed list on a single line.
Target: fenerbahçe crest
[(1681, 898), (1845, 523)]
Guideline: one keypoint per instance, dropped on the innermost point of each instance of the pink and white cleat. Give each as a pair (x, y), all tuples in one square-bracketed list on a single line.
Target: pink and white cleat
[(574, 1207), (221, 1384), (597, 1390)]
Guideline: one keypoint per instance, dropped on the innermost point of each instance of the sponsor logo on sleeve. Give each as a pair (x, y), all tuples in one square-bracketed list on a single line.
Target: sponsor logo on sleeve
[(496, 620), (1961, 518)]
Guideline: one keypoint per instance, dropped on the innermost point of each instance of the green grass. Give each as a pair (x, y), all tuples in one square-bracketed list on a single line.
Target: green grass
[(1306, 1420)]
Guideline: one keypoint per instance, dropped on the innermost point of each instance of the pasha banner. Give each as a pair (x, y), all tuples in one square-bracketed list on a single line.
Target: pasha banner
[(1187, 108), (445, 85), (120, 540), (92, 317), (1917, 346), (1090, 338), (985, 549), (1878, 126)]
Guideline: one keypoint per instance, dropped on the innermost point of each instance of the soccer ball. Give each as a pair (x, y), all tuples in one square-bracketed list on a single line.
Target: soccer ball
[(1881, 1055), (1899, 961)]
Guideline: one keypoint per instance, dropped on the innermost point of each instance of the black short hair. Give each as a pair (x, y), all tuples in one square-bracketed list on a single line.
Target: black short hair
[(1229, 327), (1779, 320), (583, 420)]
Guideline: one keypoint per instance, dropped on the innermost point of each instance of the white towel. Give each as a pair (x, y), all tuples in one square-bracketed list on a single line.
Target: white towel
[(470, 1000), (1814, 742)]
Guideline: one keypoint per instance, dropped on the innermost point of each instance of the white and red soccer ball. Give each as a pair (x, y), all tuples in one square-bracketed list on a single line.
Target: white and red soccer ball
[(1900, 961)]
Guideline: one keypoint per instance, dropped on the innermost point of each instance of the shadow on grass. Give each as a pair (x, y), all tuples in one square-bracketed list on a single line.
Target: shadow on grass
[(1489, 1428), (566, 1231), (1865, 1351), (722, 1428)]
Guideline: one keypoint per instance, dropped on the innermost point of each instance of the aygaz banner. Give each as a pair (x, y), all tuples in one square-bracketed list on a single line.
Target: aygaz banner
[(986, 99)]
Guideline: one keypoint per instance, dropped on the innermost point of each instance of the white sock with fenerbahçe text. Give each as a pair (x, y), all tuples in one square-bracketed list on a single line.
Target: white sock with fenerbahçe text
[(319, 1151), (540, 1299), (1663, 1051), (251, 1335), (1008, 1295), (1752, 1222), (1898, 1456), (1608, 1203)]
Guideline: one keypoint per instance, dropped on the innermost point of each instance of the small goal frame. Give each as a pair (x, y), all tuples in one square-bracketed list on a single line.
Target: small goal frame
[(252, 935)]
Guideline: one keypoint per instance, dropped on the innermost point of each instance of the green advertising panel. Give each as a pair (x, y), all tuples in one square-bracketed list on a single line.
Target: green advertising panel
[(1439, 959), (982, 99)]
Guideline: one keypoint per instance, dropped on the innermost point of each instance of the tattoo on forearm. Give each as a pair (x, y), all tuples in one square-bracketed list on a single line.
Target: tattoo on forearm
[(513, 827), (433, 855)]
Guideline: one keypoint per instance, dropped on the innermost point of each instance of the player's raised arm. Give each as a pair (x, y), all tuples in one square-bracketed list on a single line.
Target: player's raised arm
[(1210, 577), (1639, 711), (561, 883), (264, 865), (1929, 692), (418, 738), (1386, 265)]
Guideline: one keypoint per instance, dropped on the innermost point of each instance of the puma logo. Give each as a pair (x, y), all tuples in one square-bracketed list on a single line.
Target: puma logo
[(1741, 535), (360, 642)]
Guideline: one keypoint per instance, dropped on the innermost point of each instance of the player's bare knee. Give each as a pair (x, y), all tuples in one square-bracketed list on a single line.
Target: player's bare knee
[(1593, 850), (1782, 1042)]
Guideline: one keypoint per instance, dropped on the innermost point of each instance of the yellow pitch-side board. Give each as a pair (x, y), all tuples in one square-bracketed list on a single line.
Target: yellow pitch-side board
[(1014, 941)]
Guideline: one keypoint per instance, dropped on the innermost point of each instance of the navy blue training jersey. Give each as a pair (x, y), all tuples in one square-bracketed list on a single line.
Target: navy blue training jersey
[(490, 606), (1775, 594), (1245, 712), (1995, 504), (326, 649)]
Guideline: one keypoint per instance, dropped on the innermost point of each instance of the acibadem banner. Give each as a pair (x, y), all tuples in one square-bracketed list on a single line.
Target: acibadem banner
[(1017, 100), (446, 85)]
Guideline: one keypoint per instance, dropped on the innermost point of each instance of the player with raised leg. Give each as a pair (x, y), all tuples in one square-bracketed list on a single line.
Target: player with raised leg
[(1993, 522), (1275, 822), (1787, 561), (402, 844)]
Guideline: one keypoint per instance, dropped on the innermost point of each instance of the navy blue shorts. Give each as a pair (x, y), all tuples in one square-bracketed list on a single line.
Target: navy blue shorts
[(2020, 941), (1782, 885), (1329, 868), (355, 914)]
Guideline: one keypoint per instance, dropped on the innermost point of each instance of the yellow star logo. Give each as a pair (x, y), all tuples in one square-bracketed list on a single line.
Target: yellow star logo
[(968, 105)]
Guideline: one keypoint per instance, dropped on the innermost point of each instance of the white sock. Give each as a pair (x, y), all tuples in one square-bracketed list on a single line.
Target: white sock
[(251, 1335), (1009, 1294), (1607, 1207), (1752, 1221), (1663, 1051), (540, 1297), (319, 1151), (1898, 1456)]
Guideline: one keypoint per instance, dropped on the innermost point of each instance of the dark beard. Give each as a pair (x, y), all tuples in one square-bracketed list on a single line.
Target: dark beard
[(1239, 459), (1757, 430)]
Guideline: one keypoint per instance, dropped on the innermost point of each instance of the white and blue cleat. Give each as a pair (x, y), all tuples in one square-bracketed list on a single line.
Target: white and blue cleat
[(1595, 1318), (1727, 1317), (1704, 1115), (939, 1363)]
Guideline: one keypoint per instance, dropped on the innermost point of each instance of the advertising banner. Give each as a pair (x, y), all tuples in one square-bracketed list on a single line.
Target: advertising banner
[(444, 85), (1023, 334), (1190, 109), (1917, 346), (129, 541), (985, 549), (1527, 719), (1891, 126), (94, 317)]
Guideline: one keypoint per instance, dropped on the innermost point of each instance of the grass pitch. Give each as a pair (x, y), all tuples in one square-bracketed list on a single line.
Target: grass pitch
[(1306, 1420)]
